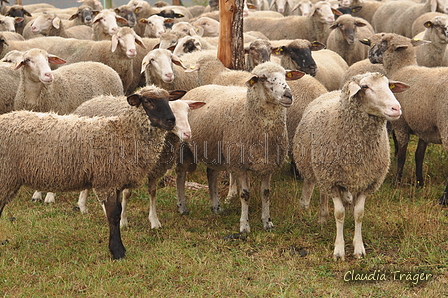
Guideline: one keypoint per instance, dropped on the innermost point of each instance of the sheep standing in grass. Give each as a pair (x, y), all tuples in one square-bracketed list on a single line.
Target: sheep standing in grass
[(75, 153), (113, 106), (342, 145), (253, 139)]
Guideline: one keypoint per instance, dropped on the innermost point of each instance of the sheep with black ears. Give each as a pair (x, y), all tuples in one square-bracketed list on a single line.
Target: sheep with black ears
[(254, 138), (342, 145), (76, 153), (113, 106)]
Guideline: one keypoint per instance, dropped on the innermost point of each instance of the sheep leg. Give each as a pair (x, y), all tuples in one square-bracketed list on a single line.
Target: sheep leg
[(265, 192), (307, 192), (50, 197), (124, 210), (37, 196), (323, 217), (243, 181), (359, 214), (212, 178), (339, 215), (82, 201), (401, 157), (180, 191), (443, 200), (153, 218), (113, 211), (233, 189), (419, 157)]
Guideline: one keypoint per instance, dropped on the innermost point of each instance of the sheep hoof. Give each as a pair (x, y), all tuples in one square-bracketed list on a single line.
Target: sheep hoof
[(244, 228), (268, 225), (216, 209), (123, 223), (156, 225), (183, 210)]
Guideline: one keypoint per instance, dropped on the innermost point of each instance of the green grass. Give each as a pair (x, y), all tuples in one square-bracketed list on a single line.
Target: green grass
[(51, 250)]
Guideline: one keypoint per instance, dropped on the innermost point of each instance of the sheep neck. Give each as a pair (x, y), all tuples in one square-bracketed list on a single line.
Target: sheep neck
[(394, 61), (30, 89)]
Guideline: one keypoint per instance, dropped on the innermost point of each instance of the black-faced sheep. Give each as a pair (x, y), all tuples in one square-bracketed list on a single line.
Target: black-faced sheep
[(254, 138), (79, 152), (342, 145)]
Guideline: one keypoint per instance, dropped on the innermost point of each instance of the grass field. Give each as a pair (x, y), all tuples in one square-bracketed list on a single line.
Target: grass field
[(51, 250)]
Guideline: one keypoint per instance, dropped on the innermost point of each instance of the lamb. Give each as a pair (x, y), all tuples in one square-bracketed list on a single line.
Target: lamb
[(423, 108), (105, 24), (160, 71), (328, 66), (113, 106), (49, 24), (79, 152), (342, 145), (7, 23), (398, 16), (347, 30), (314, 27), (433, 54), (255, 123)]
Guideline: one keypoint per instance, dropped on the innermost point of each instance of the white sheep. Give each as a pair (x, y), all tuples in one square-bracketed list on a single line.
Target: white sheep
[(433, 54), (342, 145), (423, 108), (314, 27), (165, 70), (76, 153), (253, 138), (419, 24), (207, 27), (154, 25), (113, 106), (7, 23), (9, 82), (343, 39), (285, 7), (187, 44), (105, 24), (368, 8)]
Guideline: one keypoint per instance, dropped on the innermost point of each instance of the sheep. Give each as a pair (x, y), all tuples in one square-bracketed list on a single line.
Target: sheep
[(142, 10), (368, 9), (7, 23), (314, 27), (113, 106), (207, 26), (105, 24), (49, 24), (423, 107), (328, 66), (361, 67), (433, 54), (257, 52), (160, 71), (85, 13), (154, 25), (9, 83), (255, 120), (128, 12), (285, 7), (342, 145), (398, 16), (187, 28), (117, 53), (18, 11), (187, 44), (343, 39), (419, 24), (80, 152), (303, 7)]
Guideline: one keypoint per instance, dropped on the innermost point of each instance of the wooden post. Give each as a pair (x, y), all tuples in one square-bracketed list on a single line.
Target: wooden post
[(177, 2), (230, 45), (108, 4)]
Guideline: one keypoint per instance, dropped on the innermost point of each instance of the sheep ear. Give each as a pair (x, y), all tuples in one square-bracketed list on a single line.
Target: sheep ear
[(292, 75), (121, 20), (56, 22), (353, 89), (195, 104), (295, 7), (178, 15), (156, 46), (19, 65), (356, 9), (114, 42), (176, 94), (193, 68), (272, 4), (144, 21), (246, 50), (360, 24), (177, 61), (334, 26), (252, 81), (139, 41), (27, 13), (336, 12), (3, 41), (134, 100), (396, 87), (279, 50), (73, 16), (145, 61), (251, 6), (317, 46), (168, 21), (55, 59), (418, 42), (365, 41)]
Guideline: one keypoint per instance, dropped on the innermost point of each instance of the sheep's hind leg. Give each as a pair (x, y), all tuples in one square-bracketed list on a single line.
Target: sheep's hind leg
[(243, 181), (233, 189), (212, 177), (37, 196), (112, 205), (339, 215), (82, 201), (359, 214), (124, 207), (265, 192), (180, 191), (153, 218)]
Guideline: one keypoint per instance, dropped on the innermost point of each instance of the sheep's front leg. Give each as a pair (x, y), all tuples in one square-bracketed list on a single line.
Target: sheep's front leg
[(153, 218), (124, 207), (339, 215), (307, 192), (265, 192), (243, 181), (212, 178), (37, 196), (233, 189), (358, 213), (50, 197), (180, 191), (82, 201), (112, 206), (323, 208)]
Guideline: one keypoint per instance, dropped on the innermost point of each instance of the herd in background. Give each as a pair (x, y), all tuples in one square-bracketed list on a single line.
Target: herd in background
[(108, 97)]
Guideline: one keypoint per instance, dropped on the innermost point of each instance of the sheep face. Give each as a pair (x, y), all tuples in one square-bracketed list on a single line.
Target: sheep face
[(439, 25), (154, 26), (85, 14), (159, 63), (108, 21), (169, 40), (372, 93), (181, 109), (322, 11), (209, 26), (7, 23), (347, 26), (36, 64), (126, 38), (186, 28), (18, 11), (260, 51), (187, 44), (442, 6), (43, 23), (128, 13)]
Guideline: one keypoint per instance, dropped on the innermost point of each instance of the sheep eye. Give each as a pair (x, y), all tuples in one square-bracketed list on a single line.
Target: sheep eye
[(365, 87), (26, 60)]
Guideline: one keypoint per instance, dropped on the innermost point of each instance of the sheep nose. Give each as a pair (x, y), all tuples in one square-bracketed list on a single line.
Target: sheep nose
[(132, 53), (169, 77), (186, 136)]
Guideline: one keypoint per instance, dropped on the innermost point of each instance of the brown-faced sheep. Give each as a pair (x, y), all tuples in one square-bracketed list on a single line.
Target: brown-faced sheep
[(76, 153), (433, 54), (342, 145)]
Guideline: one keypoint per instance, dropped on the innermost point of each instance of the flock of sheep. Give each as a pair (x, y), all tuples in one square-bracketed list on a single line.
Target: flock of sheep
[(114, 96)]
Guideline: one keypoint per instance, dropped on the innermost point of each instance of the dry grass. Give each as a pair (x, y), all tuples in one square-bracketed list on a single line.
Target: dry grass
[(53, 250)]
